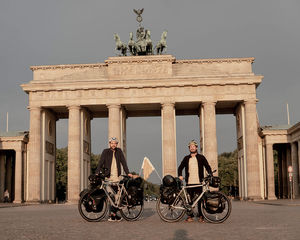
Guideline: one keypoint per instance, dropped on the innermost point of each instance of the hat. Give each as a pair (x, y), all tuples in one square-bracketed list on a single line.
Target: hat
[(113, 139), (193, 142)]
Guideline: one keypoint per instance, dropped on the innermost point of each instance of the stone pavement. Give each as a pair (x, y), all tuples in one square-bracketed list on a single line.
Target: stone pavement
[(249, 220)]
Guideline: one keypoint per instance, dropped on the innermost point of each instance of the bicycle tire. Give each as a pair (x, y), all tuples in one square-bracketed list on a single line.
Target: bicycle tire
[(166, 210), (129, 212), (92, 216)]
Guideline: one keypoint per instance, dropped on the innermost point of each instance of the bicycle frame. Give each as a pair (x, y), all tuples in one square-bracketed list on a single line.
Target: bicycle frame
[(183, 191), (121, 189)]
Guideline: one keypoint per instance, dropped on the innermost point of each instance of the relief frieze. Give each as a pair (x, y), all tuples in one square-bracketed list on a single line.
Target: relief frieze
[(139, 69), (49, 148)]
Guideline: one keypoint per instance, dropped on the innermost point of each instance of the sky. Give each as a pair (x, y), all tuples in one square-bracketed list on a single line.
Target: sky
[(40, 32)]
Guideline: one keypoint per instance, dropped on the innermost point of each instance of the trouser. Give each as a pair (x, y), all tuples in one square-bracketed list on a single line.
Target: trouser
[(112, 209), (193, 192)]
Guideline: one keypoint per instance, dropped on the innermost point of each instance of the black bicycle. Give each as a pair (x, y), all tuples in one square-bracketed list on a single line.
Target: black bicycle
[(129, 199), (174, 201)]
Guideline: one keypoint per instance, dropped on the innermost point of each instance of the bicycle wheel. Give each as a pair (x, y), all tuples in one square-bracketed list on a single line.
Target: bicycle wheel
[(93, 208), (170, 213), (218, 216), (130, 212)]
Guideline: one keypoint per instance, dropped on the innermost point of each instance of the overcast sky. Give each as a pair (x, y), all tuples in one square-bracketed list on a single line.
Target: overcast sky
[(74, 31)]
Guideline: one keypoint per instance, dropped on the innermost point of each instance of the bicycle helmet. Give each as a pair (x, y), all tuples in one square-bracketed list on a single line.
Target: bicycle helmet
[(169, 181), (193, 142)]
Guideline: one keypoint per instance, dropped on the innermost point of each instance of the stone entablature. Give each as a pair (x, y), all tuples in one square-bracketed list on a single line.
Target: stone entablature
[(141, 67), (146, 79), (294, 132), (14, 141), (281, 134)]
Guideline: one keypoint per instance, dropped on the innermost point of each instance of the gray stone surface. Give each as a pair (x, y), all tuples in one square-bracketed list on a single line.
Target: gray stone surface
[(249, 220)]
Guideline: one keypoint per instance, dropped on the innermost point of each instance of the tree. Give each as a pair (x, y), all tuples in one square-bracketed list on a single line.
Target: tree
[(61, 169), (228, 171)]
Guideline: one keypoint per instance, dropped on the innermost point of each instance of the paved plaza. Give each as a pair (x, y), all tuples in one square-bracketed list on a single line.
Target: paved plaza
[(249, 220)]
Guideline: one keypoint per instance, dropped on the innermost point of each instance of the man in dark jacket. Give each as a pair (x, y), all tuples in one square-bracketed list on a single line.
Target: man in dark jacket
[(193, 165), (112, 158)]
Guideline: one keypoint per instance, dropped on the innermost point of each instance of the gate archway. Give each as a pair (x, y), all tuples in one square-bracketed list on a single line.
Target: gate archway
[(141, 86)]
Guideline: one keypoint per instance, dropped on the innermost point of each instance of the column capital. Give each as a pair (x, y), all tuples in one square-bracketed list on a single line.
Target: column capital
[(74, 107), (113, 105), (250, 101), (32, 108), (168, 104), (209, 103), (18, 150)]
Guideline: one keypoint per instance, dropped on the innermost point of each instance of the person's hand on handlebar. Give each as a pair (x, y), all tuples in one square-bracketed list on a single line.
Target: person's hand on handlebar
[(181, 178)]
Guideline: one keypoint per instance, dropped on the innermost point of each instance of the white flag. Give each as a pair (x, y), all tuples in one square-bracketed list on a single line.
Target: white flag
[(147, 168)]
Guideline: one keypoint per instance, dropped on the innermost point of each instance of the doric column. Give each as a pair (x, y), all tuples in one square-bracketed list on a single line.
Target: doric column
[(74, 156), (114, 121), (34, 161), (168, 123), (2, 175), (284, 174), (18, 176), (295, 169), (270, 172), (210, 135), (253, 177), (123, 130)]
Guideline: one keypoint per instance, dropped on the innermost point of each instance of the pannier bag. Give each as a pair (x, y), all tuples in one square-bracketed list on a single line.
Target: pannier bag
[(95, 180), (215, 182), (135, 191), (167, 194), (168, 190), (214, 203), (94, 200)]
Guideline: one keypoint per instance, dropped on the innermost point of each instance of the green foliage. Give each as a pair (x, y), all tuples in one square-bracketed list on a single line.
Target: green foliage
[(94, 161), (61, 168), (228, 170), (151, 188)]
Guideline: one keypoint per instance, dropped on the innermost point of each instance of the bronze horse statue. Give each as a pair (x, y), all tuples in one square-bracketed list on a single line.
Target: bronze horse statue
[(132, 46), (162, 44), (120, 46), (149, 47)]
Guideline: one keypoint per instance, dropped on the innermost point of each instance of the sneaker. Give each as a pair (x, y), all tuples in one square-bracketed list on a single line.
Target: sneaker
[(112, 218), (189, 219), (201, 219), (117, 218)]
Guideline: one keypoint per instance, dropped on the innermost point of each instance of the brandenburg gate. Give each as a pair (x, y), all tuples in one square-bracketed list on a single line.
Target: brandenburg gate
[(133, 86)]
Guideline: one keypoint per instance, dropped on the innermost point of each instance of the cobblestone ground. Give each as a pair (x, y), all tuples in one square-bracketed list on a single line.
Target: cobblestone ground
[(248, 220)]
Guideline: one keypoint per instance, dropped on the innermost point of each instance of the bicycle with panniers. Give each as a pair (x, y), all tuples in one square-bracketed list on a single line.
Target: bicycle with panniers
[(175, 201), (129, 197)]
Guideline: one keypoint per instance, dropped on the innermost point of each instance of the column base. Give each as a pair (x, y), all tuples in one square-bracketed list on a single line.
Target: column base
[(33, 202), (254, 198), (17, 201), (272, 198), (72, 201)]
